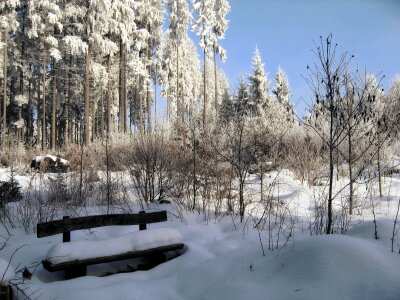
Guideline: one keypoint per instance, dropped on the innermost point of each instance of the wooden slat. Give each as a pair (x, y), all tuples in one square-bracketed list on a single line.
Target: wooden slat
[(99, 260), (60, 226)]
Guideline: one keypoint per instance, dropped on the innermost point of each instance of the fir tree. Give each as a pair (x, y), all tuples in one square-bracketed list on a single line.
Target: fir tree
[(258, 84)]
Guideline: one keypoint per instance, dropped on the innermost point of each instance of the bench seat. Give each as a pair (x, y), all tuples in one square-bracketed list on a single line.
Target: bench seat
[(137, 244)]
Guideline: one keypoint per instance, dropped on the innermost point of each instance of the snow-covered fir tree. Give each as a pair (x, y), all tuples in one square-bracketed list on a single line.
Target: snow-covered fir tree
[(220, 25), (203, 25), (179, 19), (282, 94), (242, 99), (8, 25), (259, 84), (189, 78), (150, 18), (45, 20)]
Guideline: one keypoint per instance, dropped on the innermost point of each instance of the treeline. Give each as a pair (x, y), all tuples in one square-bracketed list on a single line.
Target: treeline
[(74, 70)]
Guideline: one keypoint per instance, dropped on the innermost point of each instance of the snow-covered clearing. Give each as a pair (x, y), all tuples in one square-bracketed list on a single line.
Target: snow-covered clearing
[(224, 258)]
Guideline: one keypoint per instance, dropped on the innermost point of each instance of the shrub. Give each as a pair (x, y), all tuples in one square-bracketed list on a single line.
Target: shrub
[(10, 191)]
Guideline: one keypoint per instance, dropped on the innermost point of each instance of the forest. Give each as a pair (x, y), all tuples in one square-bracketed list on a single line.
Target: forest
[(132, 98)]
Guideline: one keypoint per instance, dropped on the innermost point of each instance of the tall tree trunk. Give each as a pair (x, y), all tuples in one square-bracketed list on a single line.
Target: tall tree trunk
[(21, 82), (44, 139), (379, 169), (194, 169), (109, 91), (88, 58), (168, 102), (204, 90), (141, 109), (148, 97), (125, 93), (331, 165), (5, 63), (38, 114), (350, 173), (21, 91), (215, 81), (121, 90), (29, 128), (69, 102), (155, 96), (94, 119), (53, 108), (178, 104), (102, 117)]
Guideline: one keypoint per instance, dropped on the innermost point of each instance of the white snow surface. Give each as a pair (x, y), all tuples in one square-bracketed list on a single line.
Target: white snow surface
[(6, 272), (224, 258), (136, 241)]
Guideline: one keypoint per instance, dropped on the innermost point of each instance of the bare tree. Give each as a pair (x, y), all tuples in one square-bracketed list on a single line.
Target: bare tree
[(326, 80)]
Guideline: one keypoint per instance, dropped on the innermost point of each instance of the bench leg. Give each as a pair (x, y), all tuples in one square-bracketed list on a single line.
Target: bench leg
[(156, 259), (5, 293), (78, 271)]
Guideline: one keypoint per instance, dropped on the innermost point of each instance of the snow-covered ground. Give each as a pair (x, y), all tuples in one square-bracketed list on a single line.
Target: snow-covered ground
[(224, 258)]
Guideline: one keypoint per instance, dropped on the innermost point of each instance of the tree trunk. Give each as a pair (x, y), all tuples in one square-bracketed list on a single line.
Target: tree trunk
[(109, 87), (148, 97), (379, 170), (194, 169), (94, 119), (178, 104), (5, 63), (101, 113), (125, 94), (29, 129), (204, 90), (141, 110), (121, 90), (262, 184), (215, 81), (69, 105), (38, 114), (331, 165), (44, 139), (155, 96), (53, 108), (168, 102), (86, 99), (241, 198), (21, 90), (350, 173)]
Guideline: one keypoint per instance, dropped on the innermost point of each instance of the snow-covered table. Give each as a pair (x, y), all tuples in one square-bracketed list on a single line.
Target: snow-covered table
[(75, 256)]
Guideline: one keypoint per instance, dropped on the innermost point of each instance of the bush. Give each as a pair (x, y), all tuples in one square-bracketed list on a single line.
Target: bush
[(10, 191)]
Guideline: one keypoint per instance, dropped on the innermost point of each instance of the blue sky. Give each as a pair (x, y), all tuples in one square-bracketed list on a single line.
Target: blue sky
[(284, 31)]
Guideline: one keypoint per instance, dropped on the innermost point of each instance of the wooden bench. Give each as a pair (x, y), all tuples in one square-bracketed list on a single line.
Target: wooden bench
[(78, 267)]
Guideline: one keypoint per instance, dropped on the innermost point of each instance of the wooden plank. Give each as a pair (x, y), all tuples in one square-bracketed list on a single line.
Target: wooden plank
[(99, 260), (61, 226)]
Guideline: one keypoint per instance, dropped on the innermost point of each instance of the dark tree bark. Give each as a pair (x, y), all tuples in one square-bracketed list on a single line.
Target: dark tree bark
[(54, 107), (204, 90), (88, 59), (44, 135), (5, 63)]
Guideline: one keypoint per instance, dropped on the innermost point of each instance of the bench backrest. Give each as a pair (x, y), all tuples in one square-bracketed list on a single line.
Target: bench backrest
[(66, 225)]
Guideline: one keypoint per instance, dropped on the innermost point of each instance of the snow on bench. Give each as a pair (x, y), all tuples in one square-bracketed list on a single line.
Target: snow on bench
[(133, 242), (74, 257)]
